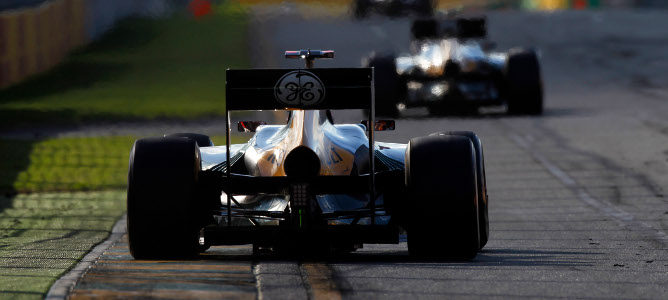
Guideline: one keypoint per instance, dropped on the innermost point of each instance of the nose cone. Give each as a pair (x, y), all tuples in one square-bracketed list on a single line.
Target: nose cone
[(302, 162)]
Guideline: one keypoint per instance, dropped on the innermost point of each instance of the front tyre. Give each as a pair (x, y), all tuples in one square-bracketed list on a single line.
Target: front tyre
[(524, 83), (442, 220), (390, 89), (164, 217)]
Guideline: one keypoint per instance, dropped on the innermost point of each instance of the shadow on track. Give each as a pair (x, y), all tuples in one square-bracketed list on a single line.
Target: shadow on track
[(491, 257)]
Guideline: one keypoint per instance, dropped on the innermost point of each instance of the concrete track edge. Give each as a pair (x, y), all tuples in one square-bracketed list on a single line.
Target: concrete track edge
[(64, 285)]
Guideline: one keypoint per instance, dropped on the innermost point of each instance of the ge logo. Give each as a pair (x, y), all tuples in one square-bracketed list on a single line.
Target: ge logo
[(299, 88)]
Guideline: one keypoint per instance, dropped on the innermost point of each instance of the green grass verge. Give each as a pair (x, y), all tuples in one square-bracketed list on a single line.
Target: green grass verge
[(44, 235), (68, 164), (65, 164), (143, 69)]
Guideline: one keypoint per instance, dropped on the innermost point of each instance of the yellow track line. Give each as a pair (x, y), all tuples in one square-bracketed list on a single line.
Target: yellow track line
[(319, 278)]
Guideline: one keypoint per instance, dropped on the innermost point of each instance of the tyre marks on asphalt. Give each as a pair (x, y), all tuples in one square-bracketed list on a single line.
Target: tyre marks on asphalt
[(619, 193), (616, 217), (544, 242), (116, 274), (604, 207)]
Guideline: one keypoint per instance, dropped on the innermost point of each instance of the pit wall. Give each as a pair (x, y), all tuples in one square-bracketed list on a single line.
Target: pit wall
[(34, 39)]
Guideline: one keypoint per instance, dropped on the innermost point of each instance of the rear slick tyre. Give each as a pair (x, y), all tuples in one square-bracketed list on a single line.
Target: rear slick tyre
[(483, 217), (202, 140), (163, 215), (442, 219)]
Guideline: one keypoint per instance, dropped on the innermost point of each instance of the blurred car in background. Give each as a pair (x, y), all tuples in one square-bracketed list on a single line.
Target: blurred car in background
[(393, 8), (451, 69)]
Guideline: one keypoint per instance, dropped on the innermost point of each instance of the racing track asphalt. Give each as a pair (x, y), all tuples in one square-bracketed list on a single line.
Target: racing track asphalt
[(577, 201)]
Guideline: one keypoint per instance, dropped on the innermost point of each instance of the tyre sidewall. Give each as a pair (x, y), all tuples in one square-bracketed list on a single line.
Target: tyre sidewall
[(162, 188), (443, 211)]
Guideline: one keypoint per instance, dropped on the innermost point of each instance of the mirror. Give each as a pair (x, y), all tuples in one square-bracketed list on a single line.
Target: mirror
[(249, 126), (381, 125)]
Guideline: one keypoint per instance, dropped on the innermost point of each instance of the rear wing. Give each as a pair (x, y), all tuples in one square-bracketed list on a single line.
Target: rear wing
[(307, 89), (459, 27), (280, 89)]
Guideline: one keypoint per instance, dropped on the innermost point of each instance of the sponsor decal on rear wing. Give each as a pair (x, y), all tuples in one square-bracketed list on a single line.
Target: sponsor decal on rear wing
[(307, 89), (278, 89)]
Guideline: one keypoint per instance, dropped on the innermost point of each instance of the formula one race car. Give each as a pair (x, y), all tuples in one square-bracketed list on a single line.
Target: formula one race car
[(308, 185), (393, 8), (450, 70)]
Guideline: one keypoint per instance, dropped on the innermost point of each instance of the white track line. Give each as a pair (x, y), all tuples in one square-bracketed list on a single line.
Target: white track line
[(623, 217), (64, 285)]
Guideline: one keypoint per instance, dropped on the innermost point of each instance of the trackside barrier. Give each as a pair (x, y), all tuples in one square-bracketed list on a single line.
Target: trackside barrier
[(35, 38), (103, 14)]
